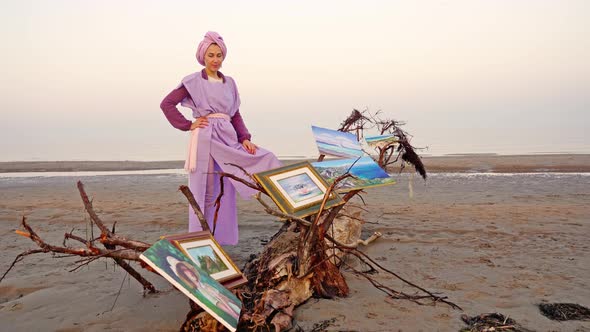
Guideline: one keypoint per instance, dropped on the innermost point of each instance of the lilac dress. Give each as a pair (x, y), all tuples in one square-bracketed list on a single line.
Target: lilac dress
[(218, 145)]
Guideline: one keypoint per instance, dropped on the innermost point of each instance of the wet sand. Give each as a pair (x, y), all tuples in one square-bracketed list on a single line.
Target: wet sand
[(490, 242)]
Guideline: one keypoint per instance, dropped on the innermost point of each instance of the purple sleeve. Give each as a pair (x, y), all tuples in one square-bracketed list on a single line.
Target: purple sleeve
[(168, 106), (240, 127)]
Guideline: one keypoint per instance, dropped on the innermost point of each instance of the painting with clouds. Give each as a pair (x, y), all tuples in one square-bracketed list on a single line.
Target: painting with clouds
[(336, 143)]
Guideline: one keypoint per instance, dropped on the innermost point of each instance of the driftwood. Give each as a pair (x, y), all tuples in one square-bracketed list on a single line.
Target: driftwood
[(304, 259), (130, 249)]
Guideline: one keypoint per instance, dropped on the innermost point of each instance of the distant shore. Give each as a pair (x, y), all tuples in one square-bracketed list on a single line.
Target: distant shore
[(434, 164)]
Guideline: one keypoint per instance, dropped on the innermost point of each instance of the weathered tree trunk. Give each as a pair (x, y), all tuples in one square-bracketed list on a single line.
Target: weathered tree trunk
[(296, 264)]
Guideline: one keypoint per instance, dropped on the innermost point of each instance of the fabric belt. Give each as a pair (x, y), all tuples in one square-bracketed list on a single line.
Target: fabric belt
[(191, 159)]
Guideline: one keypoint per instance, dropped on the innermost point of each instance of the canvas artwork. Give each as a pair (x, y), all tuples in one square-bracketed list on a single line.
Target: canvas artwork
[(297, 189), (202, 248), (207, 259), (337, 143), (380, 141), (194, 282), (366, 170)]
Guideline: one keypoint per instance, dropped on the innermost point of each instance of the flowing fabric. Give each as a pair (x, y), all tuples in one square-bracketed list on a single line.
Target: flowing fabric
[(216, 146)]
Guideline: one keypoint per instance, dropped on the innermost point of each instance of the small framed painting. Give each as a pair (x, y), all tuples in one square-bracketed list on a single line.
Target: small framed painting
[(192, 281), (209, 256), (297, 189)]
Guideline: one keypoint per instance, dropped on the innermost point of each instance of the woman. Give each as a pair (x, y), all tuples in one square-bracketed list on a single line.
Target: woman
[(219, 136)]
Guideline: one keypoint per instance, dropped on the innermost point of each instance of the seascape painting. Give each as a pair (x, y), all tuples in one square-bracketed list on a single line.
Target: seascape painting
[(195, 283), (379, 141), (367, 173), (300, 187), (297, 189), (336, 143)]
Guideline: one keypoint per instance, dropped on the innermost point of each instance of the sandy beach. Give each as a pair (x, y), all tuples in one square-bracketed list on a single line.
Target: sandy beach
[(493, 233)]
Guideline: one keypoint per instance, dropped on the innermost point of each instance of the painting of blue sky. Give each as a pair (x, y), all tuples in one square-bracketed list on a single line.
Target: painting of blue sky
[(336, 143)]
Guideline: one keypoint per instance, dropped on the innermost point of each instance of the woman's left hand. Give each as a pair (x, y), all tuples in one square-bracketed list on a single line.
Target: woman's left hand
[(249, 146)]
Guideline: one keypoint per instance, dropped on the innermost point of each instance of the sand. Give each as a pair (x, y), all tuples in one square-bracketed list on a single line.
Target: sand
[(490, 242)]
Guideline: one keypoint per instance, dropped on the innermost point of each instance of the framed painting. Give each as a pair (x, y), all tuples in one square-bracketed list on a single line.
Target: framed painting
[(195, 283), (208, 255), (366, 171), (297, 189)]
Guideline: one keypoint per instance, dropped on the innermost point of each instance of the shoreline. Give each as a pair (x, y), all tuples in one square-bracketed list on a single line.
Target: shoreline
[(463, 163)]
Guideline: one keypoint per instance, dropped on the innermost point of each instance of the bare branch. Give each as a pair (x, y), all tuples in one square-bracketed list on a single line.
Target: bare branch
[(19, 258), (245, 172), (364, 257), (118, 255), (107, 237), (191, 200)]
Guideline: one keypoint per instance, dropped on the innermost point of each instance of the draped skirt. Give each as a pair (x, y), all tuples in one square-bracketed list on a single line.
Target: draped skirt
[(215, 149)]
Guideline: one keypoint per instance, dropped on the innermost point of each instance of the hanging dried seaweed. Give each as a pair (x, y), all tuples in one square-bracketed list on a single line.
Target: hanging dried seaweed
[(354, 121), (410, 156), (358, 122), (564, 311)]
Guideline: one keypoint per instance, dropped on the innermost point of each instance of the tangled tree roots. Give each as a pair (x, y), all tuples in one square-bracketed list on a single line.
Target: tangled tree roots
[(294, 266)]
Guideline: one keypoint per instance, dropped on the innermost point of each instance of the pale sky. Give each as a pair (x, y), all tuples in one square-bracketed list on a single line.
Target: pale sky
[(83, 80)]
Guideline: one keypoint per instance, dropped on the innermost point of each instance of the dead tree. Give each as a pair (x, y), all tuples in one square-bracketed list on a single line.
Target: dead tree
[(303, 259), (389, 154)]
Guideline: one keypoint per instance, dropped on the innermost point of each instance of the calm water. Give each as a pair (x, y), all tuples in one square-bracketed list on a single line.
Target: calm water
[(452, 187)]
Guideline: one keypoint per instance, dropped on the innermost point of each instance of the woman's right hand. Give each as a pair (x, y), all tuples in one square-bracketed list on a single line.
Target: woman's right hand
[(200, 122)]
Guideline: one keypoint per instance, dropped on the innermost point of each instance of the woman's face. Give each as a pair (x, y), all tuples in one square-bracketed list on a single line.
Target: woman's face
[(213, 58), (188, 274)]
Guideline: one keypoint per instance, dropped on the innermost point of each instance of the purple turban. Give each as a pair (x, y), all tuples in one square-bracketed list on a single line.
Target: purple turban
[(211, 37)]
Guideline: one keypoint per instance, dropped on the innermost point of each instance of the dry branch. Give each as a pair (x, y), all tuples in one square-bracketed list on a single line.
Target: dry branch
[(108, 238), (130, 249), (191, 200)]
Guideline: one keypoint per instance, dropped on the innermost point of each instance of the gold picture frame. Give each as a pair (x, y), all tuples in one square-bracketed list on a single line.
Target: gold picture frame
[(297, 189), (178, 269), (202, 248)]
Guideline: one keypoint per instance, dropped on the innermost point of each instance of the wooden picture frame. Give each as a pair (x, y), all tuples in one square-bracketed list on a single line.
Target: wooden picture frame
[(202, 248), (192, 281), (297, 189)]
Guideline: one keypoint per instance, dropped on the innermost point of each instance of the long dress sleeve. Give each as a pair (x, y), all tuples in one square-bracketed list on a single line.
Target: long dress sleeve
[(168, 106), (240, 127)]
